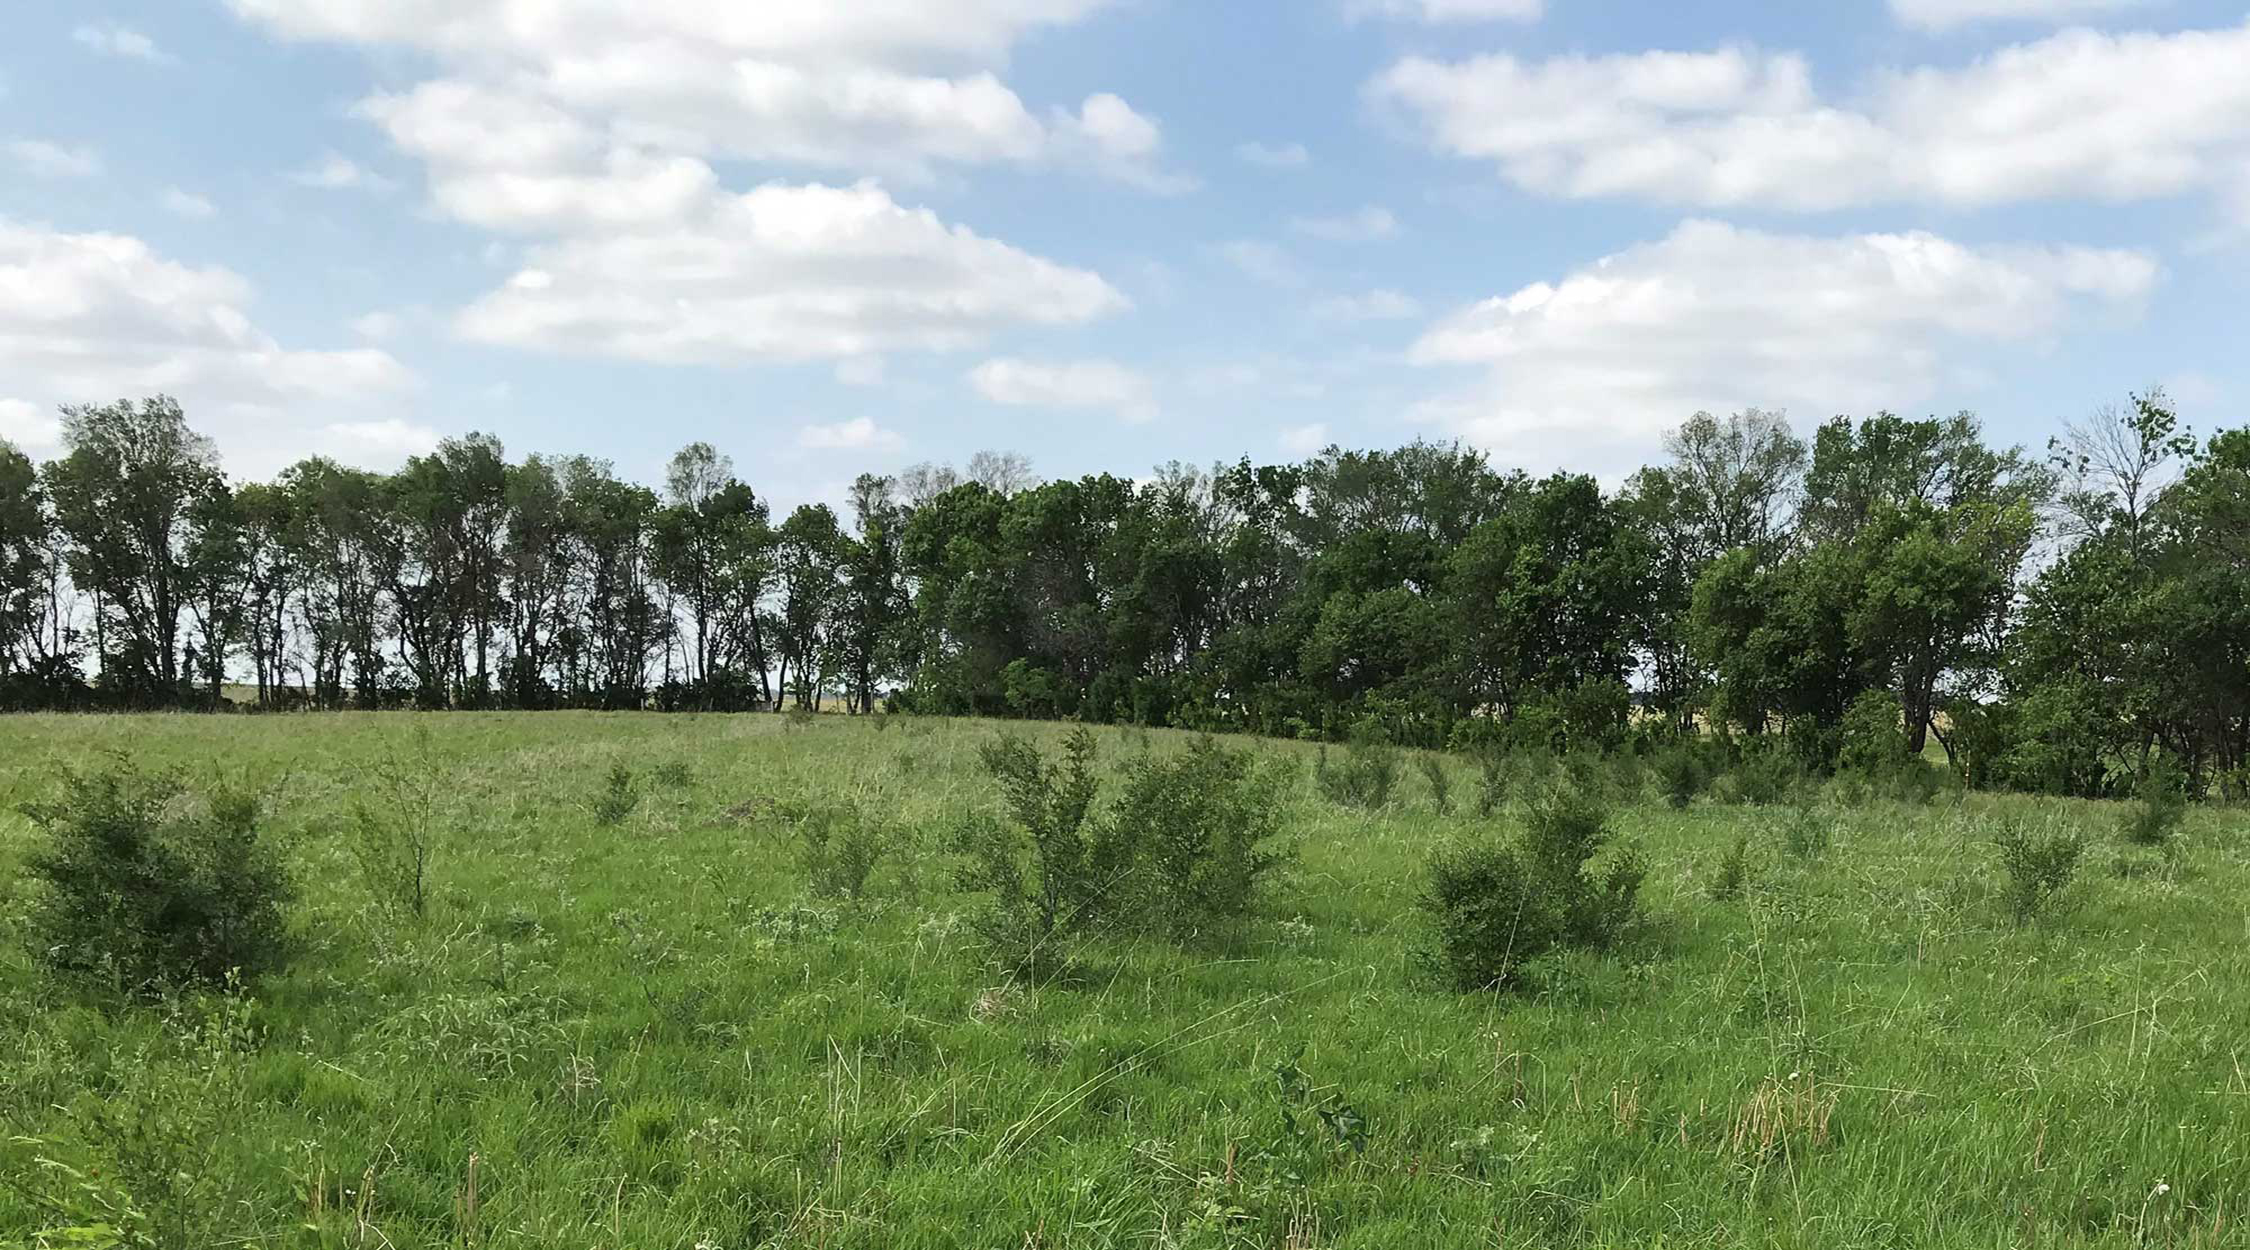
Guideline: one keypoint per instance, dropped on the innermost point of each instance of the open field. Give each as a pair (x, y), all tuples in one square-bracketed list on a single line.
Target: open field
[(652, 1035)]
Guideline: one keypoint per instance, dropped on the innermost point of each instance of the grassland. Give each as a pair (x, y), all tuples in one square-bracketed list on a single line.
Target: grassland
[(651, 1035)]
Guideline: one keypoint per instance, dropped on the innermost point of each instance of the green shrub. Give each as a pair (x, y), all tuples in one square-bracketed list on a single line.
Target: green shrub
[(1181, 853), (2039, 867), (1871, 741), (842, 845), (1733, 873), (1432, 765), (1806, 832), (1367, 774), (1196, 834), (1494, 905), (1767, 775), (1048, 805), (1494, 776), (2159, 805), (618, 799), (1681, 774), (394, 838), (148, 887)]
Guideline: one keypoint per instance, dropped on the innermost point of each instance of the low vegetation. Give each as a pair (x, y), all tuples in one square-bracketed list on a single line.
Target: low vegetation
[(963, 984)]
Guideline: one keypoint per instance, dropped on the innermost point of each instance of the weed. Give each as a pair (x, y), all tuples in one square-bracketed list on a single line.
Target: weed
[(842, 845), (673, 775), (1767, 776), (1681, 774), (2038, 866), (1806, 832), (618, 799), (2159, 805), (1367, 773), (1733, 873), (1432, 765)]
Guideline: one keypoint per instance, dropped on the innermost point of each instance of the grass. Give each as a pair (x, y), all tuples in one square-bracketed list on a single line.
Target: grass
[(653, 1035)]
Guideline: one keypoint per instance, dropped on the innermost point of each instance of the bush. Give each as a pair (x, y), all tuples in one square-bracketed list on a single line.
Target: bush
[(1872, 742), (1432, 765), (1767, 775), (395, 838), (2159, 805), (1493, 778), (1680, 774), (843, 843), (618, 800), (150, 888), (1494, 906), (1733, 874), (1182, 853), (2039, 867), (1368, 773), (1806, 833)]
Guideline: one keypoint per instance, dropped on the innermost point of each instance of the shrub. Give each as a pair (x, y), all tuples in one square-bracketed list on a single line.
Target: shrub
[(144, 885), (1767, 775), (618, 800), (1495, 905), (1681, 774), (1733, 872), (1182, 852), (1048, 805), (394, 839), (2159, 805), (1367, 774), (1441, 783), (674, 775), (1195, 832), (1872, 743), (1806, 832), (842, 845), (2039, 867), (1493, 777)]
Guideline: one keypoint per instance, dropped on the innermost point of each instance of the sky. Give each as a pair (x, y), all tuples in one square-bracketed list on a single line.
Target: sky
[(837, 237)]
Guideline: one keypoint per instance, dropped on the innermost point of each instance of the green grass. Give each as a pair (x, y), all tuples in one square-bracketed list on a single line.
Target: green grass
[(651, 1035)]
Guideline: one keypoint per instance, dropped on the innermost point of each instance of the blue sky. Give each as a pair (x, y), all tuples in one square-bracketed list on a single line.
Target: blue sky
[(836, 238)]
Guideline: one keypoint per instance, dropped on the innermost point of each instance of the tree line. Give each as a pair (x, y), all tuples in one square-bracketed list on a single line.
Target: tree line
[(2057, 621)]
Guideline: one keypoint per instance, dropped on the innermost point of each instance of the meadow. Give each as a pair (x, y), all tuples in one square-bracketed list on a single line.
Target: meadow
[(631, 1022)]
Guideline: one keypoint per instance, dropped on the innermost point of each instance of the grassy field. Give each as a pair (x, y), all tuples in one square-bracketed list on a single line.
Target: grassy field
[(652, 1035)]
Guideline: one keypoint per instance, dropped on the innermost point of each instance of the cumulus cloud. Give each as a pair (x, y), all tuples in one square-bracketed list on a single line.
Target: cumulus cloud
[(1946, 14), (1589, 369), (1372, 222), (780, 273), (87, 318), (388, 439), (1305, 440), (857, 434), (42, 159), (28, 426), (111, 39), (890, 86), (1070, 384), (2078, 114)]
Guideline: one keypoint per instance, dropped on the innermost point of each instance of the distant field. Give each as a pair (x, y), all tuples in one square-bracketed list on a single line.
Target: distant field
[(651, 1035)]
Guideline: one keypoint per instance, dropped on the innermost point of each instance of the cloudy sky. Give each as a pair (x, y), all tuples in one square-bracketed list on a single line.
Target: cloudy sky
[(833, 236)]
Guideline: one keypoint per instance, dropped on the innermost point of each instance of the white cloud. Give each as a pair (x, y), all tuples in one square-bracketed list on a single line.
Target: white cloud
[(87, 318), (1071, 384), (781, 273), (1376, 305), (1445, 11), (185, 203), (1274, 156), (1371, 222), (858, 434), (50, 160), (1947, 14), (337, 173), (2078, 114), (1305, 440), (890, 86), (111, 39), (28, 426), (1260, 261), (1590, 369)]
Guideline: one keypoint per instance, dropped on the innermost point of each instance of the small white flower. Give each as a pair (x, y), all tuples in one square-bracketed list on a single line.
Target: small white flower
[(2162, 1189)]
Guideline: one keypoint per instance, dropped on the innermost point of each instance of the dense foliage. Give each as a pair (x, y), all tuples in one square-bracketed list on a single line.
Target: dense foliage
[(2060, 623)]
